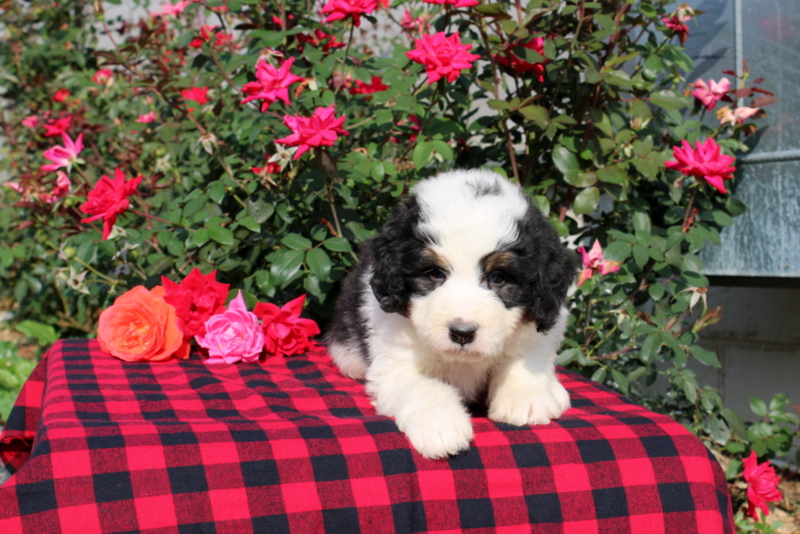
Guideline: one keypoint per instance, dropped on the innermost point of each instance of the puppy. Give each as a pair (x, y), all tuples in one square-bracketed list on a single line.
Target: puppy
[(459, 298)]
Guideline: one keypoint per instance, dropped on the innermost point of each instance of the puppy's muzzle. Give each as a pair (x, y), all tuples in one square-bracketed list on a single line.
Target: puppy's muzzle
[(462, 332)]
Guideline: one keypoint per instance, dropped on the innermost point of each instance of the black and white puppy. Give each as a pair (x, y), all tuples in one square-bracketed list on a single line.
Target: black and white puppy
[(460, 296)]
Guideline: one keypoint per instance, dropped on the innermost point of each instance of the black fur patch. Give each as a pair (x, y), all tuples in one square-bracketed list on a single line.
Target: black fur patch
[(538, 270), (485, 190), (401, 260)]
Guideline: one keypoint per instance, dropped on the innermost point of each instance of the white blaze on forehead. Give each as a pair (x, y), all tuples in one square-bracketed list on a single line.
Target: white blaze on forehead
[(470, 211)]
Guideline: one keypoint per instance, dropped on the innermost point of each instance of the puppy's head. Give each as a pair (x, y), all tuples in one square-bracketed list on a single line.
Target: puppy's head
[(469, 259)]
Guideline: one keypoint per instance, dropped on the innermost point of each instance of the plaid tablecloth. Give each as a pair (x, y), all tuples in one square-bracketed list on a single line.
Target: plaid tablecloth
[(100, 445)]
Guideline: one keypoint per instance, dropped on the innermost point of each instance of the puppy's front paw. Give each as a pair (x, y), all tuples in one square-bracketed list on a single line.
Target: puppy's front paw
[(525, 406), (439, 432)]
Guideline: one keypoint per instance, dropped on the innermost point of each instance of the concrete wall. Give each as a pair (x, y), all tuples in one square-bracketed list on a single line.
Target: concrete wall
[(758, 344)]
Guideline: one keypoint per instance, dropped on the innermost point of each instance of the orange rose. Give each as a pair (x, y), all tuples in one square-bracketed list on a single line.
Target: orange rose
[(140, 326)]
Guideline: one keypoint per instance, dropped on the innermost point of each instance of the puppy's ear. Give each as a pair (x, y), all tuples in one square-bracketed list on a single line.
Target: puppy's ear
[(395, 253), (553, 269)]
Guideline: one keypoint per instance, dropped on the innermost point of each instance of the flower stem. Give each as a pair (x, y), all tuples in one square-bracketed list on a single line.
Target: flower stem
[(110, 281)]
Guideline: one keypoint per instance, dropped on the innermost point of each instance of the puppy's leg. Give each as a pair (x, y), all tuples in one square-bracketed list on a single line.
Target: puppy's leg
[(429, 412), (521, 395), (525, 389), (348, 359)]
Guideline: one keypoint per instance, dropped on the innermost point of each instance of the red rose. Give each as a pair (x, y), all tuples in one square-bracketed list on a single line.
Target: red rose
[(762, 485), (285, 332), (195, 300), (108, 199)]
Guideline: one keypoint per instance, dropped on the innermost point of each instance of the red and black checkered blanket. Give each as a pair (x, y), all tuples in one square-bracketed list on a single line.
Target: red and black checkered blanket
[(290, 445)]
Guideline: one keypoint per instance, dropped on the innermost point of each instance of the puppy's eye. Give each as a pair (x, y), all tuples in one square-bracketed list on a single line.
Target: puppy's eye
[(436, 273), (496, 278)]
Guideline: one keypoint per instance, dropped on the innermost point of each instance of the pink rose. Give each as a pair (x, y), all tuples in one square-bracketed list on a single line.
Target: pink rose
[(705, 161), (233, 335), (442, 56), (285, 332), (321, 129)]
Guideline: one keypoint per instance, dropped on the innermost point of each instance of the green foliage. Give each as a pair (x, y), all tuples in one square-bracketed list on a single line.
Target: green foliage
[(588, 141), (13, 373)]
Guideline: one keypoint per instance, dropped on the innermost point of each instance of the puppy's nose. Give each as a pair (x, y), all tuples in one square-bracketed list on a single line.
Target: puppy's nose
[(462, 332)]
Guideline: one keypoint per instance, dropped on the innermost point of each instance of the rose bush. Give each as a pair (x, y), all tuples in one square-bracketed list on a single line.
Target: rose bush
[(271, 141)]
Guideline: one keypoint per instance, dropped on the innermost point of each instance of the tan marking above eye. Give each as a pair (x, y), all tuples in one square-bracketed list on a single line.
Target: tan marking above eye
[(498, 260), (431, 255)]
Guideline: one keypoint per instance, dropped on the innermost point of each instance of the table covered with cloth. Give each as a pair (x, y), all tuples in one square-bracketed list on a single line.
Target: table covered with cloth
[(98, 445)]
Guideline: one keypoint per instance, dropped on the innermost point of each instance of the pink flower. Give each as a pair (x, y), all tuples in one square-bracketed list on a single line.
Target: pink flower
[(108, 199), (414, 24), (762, 485), (57, 127), (272, 85), (196, 94), (234, 335), (31, 121), (593, 262), (285, 332), (61, 95), (319, 39), (520, 66), (709, 94), (321, 129), (442, 56), (706, 161), (171, 9), (737, 116), (144, 118), (102, 76), (63, 185), (63, 156), (456, 3), (375, 86), (677, 24), (340, 9), (196, 299)]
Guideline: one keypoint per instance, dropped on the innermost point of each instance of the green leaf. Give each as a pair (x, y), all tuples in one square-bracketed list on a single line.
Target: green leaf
[(640, 255), (564, 160), (706, 357), (621, 380), (580, 179), (422, 153), (499, 104), (649, 348), (217, 192), (568, 355), (641, 221), (443, 148), (669, 99), (200, 237), (618, 251), (586, 201), (736, 206), (8, 381), (43, 333), (286, 264), (758, 406), (492, 10), (599, 375), (250, 223), (337, 244), (537, 114), (656, 291), (221, 235), (319, 263), (612, 175), (296, 242)]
